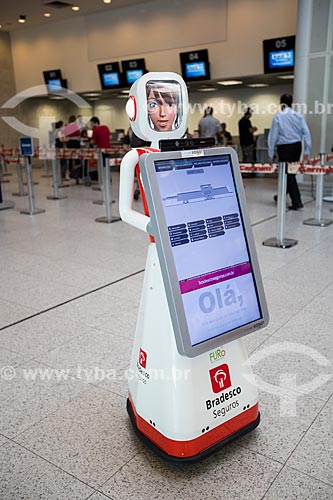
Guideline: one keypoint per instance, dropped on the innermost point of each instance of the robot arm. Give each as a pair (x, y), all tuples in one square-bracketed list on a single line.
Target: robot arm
[(126, 193)]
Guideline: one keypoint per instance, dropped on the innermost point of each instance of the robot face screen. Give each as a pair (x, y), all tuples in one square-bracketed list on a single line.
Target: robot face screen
[(164, 105)]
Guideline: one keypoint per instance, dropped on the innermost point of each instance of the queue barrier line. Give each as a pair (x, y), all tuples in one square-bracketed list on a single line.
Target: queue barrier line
[(19, 169), (318, 220), (32, 209), (293, 168), (280, 241), (46, 169), (107, 197), (310, 168), (92, 153), (55, 171), (4, 205), (315, 166), (3, 170), (100, 176)]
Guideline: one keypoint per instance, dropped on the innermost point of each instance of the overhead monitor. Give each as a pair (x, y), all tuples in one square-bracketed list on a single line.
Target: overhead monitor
[(279, 54), (205, 246), (132, 70), (195, 65), (110, 76), (54, 81)]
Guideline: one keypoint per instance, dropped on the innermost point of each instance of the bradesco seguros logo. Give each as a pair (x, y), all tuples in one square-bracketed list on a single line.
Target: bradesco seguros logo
[(221, 381), (220, 378)]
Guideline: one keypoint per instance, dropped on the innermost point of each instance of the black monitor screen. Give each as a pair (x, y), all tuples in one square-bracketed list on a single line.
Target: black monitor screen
[(195, 65), (195, 70), (110, 76), (279, 54), (110, 79), (281, 59), (133, 69), (133, 74), (54, 81), (54, 85)]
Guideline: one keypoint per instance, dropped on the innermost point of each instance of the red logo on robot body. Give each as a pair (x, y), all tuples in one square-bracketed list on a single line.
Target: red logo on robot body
[(220, 378), (142, 358)]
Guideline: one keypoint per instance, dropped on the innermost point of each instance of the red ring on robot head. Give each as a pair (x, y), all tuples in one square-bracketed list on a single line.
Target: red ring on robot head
[(131, 108)]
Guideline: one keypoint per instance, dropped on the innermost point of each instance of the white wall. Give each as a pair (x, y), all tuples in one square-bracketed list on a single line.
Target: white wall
[(73, 47)]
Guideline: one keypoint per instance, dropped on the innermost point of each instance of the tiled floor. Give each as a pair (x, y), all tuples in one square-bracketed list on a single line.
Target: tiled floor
[(69, 296)]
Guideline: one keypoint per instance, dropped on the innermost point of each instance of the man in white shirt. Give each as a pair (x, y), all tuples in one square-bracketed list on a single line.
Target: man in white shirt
[(209, 126), (287, 132)]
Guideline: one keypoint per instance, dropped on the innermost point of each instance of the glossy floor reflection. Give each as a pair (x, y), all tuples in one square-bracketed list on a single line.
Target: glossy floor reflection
[(69, 297)]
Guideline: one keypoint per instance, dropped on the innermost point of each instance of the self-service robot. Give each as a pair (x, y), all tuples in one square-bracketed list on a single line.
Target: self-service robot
[(190, 389)]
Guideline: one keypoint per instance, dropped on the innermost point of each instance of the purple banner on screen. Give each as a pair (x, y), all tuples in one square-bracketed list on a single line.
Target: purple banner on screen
[(214, 277)]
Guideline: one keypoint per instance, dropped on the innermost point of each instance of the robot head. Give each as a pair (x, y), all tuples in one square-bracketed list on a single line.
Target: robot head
[(157, 107)]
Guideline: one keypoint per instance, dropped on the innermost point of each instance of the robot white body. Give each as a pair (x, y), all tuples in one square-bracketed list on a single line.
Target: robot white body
[(182, 407)]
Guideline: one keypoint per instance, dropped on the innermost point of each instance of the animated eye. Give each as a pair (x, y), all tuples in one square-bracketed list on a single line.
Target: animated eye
[(152, 106)]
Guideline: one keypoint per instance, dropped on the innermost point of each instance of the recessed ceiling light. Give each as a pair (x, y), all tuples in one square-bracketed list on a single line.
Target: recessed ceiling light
[(22, 19), (91, 94), (207, 89), (75, 8), (286, 77), (257, 85), (106, 1), (47, 14), (230, 82)]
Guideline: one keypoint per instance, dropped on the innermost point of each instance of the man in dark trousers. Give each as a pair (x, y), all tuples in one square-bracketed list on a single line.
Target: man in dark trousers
[(246, 138), (287, 132)]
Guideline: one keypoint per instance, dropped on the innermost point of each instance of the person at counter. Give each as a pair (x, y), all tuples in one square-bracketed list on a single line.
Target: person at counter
[(101, 134), (72, 134), (209, 126), (225, 136), (246, 137)]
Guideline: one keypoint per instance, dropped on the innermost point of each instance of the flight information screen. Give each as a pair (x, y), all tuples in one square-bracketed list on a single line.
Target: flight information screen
[(110, 79), (193, 70), (281, 59), (209, 246)]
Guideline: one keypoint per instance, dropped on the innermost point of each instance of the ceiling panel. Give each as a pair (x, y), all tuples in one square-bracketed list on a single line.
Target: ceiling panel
[(34, 10)]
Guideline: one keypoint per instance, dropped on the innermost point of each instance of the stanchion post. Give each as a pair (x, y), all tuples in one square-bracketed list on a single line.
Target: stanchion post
[(60, 156), (280, 241), (4, 205), (32, 210), (46, 169), (108, 197), (56, 195), (99, 174), (21, 191), (318, 220), (100, 179), (3, 170)]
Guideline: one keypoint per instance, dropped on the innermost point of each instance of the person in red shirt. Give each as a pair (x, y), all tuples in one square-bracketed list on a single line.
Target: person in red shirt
[(101, 134)]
